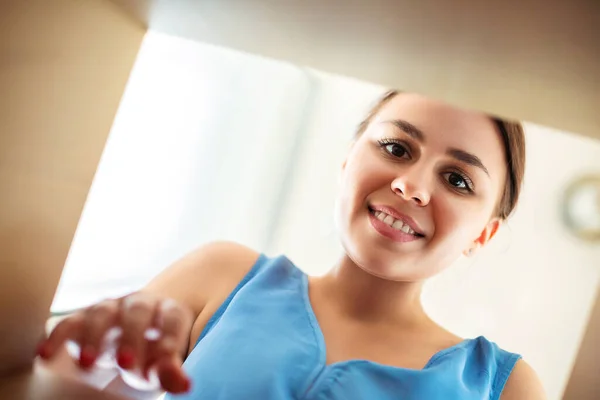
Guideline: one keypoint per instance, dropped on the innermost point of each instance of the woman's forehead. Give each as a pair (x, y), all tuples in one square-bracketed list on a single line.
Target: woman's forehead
[(432, 115)]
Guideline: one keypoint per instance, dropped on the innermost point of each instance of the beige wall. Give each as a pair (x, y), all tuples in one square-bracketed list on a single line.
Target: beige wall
[(63, 68)]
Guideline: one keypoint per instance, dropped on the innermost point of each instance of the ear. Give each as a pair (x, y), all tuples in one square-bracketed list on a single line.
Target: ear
[(347, 155), (340, 175), (486, 235)]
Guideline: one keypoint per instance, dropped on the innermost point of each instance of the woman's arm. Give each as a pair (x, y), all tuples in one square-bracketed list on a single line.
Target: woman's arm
[(523, 384), (198, 284), (203, 279)]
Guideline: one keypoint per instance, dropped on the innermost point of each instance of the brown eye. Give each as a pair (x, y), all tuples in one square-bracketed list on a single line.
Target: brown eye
[(459, 181), (396, 149)]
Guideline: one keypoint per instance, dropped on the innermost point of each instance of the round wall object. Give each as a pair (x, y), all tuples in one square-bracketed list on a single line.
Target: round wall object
[(581, 207)]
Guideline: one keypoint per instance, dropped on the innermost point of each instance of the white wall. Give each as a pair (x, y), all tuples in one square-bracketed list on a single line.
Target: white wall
[(201, 149)]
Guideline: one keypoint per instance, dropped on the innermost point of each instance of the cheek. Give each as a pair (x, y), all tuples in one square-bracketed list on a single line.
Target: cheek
[(365, 174), (360, 177), (458, 222)]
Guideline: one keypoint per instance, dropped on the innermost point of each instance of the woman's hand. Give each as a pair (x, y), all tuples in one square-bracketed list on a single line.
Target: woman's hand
[(134, 315)]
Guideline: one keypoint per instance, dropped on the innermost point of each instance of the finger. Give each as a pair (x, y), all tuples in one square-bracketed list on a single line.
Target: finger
[(171, 376), (175, 324), (136, 316), (69, 328), (97, 321)]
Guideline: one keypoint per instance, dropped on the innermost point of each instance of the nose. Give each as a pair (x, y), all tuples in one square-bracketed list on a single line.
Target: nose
[(412, 188)]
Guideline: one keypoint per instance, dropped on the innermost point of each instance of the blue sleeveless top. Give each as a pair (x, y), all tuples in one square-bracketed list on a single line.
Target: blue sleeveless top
[(264, 343)]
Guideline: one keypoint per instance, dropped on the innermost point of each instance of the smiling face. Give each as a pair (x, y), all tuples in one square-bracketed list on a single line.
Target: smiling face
[(420, 187)]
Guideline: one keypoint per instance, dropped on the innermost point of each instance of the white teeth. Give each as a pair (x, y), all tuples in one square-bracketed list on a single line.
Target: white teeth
[(394, 223), (389, 220), (398, 224)]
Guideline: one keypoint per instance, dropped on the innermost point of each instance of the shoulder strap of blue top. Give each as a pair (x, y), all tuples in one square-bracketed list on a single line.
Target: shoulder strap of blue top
[(505, 362), (217, 315)]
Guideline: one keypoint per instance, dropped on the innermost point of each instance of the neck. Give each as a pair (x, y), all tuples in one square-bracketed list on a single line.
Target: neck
[(364, 296)]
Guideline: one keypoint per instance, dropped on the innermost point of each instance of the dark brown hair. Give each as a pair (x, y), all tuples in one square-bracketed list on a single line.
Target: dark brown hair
[(513, 138)]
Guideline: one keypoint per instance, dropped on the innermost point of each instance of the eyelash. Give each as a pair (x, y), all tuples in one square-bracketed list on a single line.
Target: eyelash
[(468, 182), (384, 143)]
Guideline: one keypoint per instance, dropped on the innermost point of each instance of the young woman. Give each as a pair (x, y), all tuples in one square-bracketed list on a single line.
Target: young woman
[(422, 184)]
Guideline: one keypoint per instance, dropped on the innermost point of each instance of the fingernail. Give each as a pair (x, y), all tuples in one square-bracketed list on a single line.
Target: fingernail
[(87, 356), (43, 350), (125, 357), (187, 385)]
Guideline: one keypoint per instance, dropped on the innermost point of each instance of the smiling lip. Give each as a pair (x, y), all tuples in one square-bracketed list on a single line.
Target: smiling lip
[(397, 215), (391, 233)]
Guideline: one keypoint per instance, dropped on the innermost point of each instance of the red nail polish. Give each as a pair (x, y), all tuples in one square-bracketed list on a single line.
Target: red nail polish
[(187, 385), (125, 358), (42, 350), (87, 357)]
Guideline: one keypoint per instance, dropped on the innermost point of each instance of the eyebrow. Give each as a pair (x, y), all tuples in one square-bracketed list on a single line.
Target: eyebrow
[(457, 154), (409, 129), (467, 158)]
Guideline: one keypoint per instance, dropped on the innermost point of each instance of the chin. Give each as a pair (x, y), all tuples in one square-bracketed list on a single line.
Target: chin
[(386, 264), (369, 261), (382, 272), (408, 272), (375, 254)]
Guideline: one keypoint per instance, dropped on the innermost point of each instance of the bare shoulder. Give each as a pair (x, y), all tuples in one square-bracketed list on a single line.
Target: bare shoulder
[(204, 274), (523, 384)]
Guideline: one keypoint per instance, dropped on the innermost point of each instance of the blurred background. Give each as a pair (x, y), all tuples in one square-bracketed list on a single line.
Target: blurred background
[(230, 120), (210, 143)]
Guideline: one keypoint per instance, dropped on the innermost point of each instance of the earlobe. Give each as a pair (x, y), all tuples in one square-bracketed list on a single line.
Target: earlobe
[(470, 251), (341, 173), (347, 155)]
